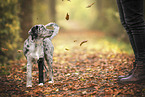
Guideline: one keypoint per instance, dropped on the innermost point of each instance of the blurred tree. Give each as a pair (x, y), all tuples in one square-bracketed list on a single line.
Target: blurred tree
[(9, 30), (52, 10), (44, 11), (108, 19), (26, 17)]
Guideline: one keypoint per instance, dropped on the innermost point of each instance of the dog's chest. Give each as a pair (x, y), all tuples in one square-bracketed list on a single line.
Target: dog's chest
[(37, 49)]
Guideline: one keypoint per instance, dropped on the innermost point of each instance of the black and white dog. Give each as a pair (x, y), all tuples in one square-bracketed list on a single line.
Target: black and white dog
[(38, 46)]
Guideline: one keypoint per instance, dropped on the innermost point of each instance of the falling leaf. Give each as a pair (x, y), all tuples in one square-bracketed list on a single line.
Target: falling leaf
[(4, 49), (90, 5), (19, 51), (75, 40), (67, 0), (67, 16), (83, 42), (66, 49)]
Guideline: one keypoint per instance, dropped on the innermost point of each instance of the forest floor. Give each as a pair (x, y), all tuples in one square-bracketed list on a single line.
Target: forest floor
[(85, 64)]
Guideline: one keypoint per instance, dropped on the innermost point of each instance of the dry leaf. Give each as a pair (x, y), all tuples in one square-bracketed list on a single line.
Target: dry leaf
[(4, 49), (19, 51), (66, 49), (67, 16), (75, 40), (67, 0), (90, 5), (83, 42)]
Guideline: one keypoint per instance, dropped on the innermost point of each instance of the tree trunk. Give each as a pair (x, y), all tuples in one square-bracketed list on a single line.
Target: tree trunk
[(144, 8), (26, 17), (52, 5)]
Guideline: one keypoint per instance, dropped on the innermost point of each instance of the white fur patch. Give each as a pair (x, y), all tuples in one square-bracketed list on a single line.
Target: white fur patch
[(29, 86), (41, 84), (50, 82)]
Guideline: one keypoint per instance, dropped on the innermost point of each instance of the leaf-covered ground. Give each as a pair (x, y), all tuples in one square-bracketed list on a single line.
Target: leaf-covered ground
[(85, 64)]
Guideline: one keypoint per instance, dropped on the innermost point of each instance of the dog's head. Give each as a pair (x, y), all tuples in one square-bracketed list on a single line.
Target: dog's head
[(37, 31), (40, 31)]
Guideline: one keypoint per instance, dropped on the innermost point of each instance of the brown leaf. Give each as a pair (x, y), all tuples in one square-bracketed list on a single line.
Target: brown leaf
[(4, 49), (83, 42), (19, 51), (90, 5), (67, 0), (67, 16), (75, 40), (66, 49)]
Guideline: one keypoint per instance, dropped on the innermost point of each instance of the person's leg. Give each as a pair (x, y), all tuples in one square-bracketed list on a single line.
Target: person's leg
[(121, 13), (133, 15)]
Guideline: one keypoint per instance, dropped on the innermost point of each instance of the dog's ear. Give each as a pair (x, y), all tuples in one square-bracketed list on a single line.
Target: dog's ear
[(33, 30)]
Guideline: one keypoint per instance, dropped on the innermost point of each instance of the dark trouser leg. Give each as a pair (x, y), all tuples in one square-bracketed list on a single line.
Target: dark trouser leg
[(40, 66), (133, 14), (128, 30), (122, 18)]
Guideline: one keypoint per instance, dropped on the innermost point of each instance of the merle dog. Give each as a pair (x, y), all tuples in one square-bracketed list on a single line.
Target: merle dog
[(38, 46)]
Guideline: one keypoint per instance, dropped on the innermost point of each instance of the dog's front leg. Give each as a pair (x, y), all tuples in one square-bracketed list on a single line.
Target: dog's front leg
[(48, 49), (49, 59), (49, 62), (29, 72)]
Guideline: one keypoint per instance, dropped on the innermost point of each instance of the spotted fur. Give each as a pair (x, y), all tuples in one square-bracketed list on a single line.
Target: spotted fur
[(38, 46)]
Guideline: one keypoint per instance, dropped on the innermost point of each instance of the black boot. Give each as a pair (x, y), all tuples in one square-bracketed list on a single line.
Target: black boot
[(138, 74), (123, 76), (135, 52), (139, 71)]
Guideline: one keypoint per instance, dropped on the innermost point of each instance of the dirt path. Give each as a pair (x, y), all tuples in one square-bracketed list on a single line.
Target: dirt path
[(87, 70)]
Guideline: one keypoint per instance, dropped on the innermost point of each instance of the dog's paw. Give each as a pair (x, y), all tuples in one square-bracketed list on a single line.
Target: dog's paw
[(51, 82), (40, 84), (29, 86)]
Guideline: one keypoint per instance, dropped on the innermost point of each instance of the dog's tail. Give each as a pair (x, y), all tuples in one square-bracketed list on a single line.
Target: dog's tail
[(55, 30)]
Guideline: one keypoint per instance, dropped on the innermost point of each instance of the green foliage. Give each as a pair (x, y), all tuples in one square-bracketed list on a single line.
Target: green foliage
[(9, 30)]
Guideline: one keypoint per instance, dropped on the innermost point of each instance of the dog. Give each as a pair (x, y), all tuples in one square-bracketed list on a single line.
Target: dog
[(38, 46)]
